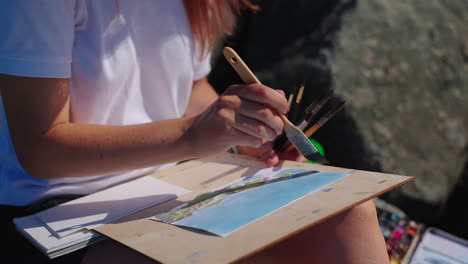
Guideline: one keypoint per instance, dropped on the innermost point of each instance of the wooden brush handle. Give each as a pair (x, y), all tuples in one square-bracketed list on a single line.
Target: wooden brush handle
[(246, 74), (241, 68)]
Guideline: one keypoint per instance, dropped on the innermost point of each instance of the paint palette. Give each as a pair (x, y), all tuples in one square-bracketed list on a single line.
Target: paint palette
[(437, 246), (400, 233)]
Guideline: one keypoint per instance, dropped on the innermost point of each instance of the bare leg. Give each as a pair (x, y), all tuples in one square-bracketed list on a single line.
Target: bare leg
[(350, 237), (353, 236)]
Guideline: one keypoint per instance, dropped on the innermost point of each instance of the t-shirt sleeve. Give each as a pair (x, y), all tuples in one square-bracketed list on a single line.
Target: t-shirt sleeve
[(36, 37), (201, 67)]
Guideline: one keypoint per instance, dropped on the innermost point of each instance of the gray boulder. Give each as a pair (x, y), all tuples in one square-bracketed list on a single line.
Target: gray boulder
[(402, 67)]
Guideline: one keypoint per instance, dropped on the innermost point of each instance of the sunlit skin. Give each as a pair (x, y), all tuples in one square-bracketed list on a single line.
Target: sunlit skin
[(49, 145)]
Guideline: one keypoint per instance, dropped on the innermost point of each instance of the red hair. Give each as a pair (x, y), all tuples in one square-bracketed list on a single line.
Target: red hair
[(210, 19)]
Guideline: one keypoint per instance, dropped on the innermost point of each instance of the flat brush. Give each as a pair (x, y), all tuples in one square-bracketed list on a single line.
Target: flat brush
[(294, 134)]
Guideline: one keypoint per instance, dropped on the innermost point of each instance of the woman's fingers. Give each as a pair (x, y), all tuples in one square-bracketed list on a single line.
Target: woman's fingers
[(244, 115), (280, 92), (262, 152), (265, 152), (272, 160), (253, 127), (246, 110), (244, 139), (292, 155), (260, 94), (264, 114), (230, 120)]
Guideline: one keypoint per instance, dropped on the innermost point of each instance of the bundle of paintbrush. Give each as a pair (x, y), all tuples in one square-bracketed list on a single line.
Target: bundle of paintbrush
[(322, 109)]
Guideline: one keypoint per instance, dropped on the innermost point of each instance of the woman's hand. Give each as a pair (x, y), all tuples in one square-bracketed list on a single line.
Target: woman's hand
[(272, 158), (245, 115)]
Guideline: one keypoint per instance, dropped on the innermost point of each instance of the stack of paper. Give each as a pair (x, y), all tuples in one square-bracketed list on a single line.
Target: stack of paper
[(67, 227)]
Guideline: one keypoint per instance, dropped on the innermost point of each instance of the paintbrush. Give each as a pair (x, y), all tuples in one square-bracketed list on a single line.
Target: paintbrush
[(291, 96), (294, 109), (319, 102), (333, 110), (293, 133), (313, 109)]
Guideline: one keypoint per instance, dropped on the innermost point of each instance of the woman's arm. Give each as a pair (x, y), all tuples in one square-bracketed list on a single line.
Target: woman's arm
[(49, 146), (202, 96)]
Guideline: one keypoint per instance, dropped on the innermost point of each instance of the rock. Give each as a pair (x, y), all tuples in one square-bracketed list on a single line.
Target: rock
[(418, 123), (401, 66)]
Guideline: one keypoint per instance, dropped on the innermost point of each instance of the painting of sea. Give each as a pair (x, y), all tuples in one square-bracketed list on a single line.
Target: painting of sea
[(237, 204)]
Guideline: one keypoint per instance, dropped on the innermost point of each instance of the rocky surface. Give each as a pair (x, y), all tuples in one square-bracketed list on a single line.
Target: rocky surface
[(402, 67)]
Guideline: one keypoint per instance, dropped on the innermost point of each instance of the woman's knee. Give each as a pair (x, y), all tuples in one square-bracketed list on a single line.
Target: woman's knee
[(364, 212), (359, 220)]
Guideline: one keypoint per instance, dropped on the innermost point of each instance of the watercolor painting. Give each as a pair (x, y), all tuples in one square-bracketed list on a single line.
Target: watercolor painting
[(239, 203)]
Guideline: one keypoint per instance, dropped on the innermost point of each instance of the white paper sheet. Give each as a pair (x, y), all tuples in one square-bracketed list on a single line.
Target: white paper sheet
[(108, 205), (46, 242)]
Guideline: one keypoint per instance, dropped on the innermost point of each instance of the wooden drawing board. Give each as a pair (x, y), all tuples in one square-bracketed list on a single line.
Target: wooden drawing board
[(171, 244)]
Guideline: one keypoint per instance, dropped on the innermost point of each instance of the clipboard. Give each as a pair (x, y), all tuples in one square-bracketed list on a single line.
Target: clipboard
[(171, 244)]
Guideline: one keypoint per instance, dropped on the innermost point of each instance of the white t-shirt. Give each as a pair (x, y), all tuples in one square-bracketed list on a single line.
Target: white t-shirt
[(130, 66)]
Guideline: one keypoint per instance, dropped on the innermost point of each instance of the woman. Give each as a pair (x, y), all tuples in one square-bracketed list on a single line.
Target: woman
[(99, 92)]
